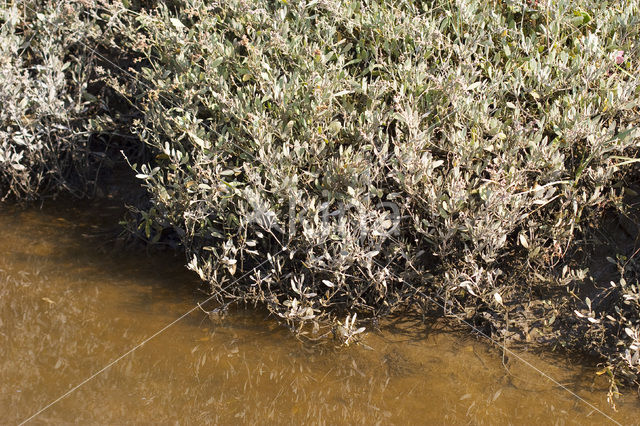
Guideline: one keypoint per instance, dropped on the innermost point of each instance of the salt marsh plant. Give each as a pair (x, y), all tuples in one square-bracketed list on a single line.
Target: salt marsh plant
[(500, 129), (45, 68)]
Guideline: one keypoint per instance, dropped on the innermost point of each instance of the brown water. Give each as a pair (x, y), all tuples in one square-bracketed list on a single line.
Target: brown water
[(70, 302)]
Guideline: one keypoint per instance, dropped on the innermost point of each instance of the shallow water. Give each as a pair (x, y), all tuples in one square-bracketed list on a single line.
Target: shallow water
[(71, 301)]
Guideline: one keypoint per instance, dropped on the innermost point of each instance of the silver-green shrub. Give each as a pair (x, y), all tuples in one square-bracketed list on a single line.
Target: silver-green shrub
[(44, 71), (498, 130)]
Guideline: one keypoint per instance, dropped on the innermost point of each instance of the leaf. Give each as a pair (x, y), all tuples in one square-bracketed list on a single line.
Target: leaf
[(232, 268), (342, 93), (176, 23), (473, 86), (328, 283), (335, 127), (523, 241), (199, 141), (216, 62), (623, 135), (498, 298), (467, 286)]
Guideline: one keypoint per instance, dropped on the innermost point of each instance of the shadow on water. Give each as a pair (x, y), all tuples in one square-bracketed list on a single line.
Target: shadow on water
[(72, 300)]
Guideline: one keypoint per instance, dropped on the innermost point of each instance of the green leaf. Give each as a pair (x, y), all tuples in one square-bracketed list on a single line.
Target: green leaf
[(217, 62)]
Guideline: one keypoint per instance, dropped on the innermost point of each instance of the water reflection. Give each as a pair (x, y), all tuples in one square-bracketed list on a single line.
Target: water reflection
[(71, 302)]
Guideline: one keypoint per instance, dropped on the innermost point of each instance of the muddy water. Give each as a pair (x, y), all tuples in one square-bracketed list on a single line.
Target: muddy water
[(71, 301)]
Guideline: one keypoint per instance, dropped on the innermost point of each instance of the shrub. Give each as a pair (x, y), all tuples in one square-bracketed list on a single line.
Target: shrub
[(294, 130), (45, 67)]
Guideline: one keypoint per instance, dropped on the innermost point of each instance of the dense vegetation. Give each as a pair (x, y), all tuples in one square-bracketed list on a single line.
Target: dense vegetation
[(43, 81), (332, 157)]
